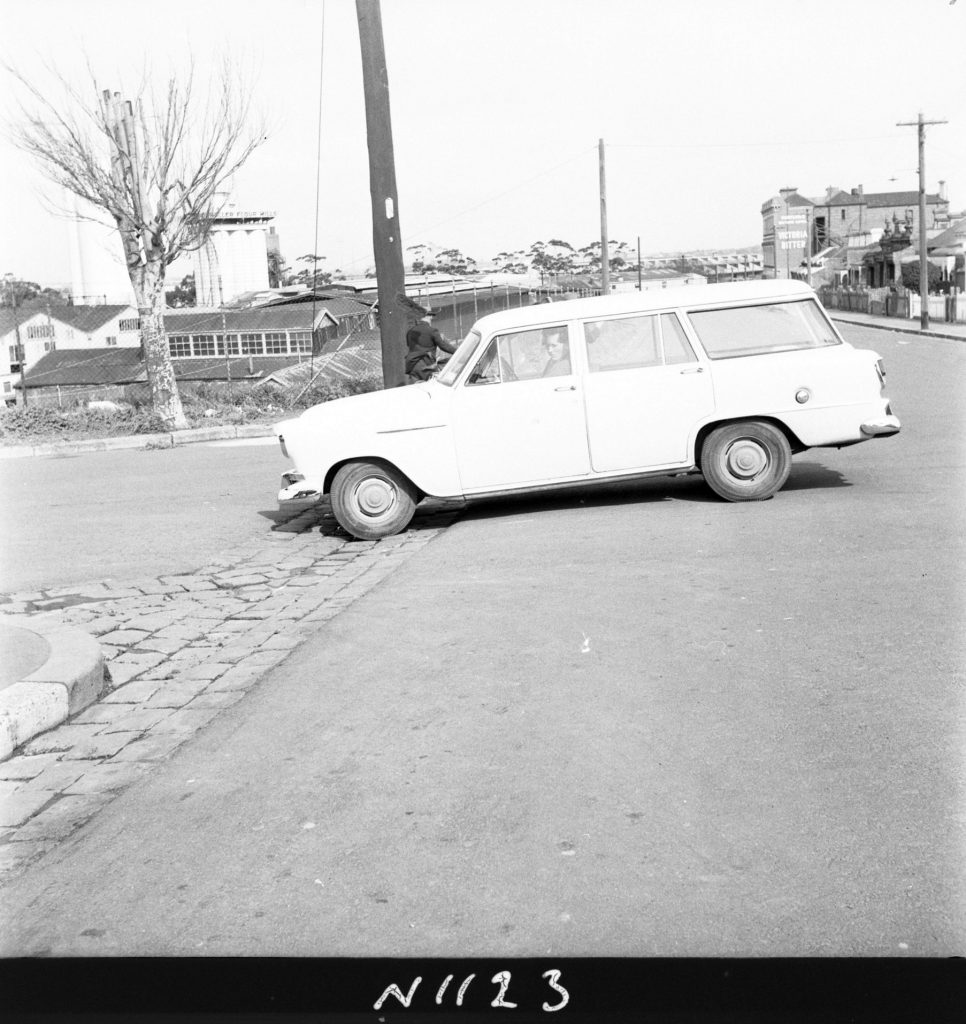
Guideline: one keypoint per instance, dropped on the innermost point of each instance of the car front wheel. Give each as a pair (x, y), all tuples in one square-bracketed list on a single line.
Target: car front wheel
[(746, 461), (372, 500)]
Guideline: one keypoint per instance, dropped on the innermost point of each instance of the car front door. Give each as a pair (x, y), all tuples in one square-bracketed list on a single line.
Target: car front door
[(645, 391), (519, 417)]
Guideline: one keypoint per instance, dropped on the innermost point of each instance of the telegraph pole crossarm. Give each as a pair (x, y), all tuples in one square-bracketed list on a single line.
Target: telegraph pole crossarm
[(920, 123)]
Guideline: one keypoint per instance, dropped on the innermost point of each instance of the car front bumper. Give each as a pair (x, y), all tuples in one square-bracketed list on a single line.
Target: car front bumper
[(294, 487)]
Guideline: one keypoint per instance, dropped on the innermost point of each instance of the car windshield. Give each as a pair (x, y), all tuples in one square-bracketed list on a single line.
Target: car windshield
[(459, 359)]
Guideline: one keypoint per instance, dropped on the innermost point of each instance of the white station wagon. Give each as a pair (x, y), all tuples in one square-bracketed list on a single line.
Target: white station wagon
[(727, 380)]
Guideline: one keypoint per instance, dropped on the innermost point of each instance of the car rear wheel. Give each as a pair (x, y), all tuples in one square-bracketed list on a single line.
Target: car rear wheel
[(372, 500), (746, 461)]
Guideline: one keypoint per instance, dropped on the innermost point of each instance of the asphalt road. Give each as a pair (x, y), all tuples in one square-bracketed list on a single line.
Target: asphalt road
[(638, 722), (130, 513)]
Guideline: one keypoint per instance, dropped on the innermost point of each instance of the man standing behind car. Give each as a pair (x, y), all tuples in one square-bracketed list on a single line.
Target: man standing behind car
[(423, 340)]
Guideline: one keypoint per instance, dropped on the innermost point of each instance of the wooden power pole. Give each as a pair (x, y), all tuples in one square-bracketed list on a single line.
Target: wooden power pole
[(386, 238), (923, 263), (604, 248)]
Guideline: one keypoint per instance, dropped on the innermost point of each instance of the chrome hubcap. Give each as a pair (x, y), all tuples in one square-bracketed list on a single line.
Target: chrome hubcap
[(746, 459), (375, 497)]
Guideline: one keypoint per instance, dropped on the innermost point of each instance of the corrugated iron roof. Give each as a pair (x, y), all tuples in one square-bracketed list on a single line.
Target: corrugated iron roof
[(89, 318), (256, 319), (66, 367), (10, 318), (117, 366), (337, 305), (952, 236)]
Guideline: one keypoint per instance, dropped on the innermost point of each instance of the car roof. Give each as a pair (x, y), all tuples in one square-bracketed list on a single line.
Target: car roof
[(650, 300)]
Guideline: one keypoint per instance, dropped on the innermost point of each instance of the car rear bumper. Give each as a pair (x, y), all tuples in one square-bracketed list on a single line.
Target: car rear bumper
[(883, 427)]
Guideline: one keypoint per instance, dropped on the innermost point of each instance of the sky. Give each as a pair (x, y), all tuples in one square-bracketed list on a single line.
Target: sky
[(706, 108)]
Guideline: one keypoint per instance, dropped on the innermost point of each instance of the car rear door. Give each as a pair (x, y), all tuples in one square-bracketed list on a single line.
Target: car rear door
[(645, 390)]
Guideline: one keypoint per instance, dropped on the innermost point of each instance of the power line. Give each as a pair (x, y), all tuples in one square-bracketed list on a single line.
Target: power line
[(921, 123)]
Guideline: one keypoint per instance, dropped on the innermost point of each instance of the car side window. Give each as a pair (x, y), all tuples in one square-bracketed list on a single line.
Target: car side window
[(523, 355), (677, 349), (625, 344)]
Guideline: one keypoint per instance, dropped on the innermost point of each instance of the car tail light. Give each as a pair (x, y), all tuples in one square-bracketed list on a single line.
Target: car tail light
[(281, 441), (880, 370)]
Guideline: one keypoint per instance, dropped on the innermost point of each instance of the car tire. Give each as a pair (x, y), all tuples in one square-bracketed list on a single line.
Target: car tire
[(747, 461), (372, 500)]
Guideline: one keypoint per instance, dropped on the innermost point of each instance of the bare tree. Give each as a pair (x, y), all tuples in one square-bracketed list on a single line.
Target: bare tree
[(156, 166)]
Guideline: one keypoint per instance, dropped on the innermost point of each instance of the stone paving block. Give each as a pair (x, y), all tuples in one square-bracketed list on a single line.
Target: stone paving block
[(101, 713), (185, 721), (281, 642), (62, 817), (56, 778), (103, 745), (253, 614), (10, 786), (236, 626), (26, 766), (136, 721), (62, 738), (20, 807), (156, 587), (181, 631), (240, 579), (106, 776), (161, 645), (233, 653), (211, 699), (237, 678), (133, 693), (177, 693), (124, 637), (254, 595), (206, 670), (127, 666), (192, 584), (155, 620), (263, 660), (149, 748)]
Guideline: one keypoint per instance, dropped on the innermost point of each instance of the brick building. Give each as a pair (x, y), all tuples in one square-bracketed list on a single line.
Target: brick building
[(796, 226)]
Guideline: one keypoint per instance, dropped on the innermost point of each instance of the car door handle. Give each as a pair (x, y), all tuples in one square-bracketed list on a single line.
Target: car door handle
[(696, 369), (569, 387)]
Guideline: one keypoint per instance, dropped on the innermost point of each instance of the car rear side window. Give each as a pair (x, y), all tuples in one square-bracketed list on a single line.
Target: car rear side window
[(625, 344), (638, 342), (755, 330)]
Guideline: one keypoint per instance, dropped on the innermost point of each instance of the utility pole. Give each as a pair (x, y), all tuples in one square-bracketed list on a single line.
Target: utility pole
[(10, 282), (923, 263), (808, 246), (386, 237), (604, 251)]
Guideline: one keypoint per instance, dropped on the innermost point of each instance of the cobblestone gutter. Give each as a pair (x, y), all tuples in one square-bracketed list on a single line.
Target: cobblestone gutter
[(179, 650)]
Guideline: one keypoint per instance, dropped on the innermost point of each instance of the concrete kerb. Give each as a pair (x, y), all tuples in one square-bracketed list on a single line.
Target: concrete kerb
[(168, 440), (71, 678)]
